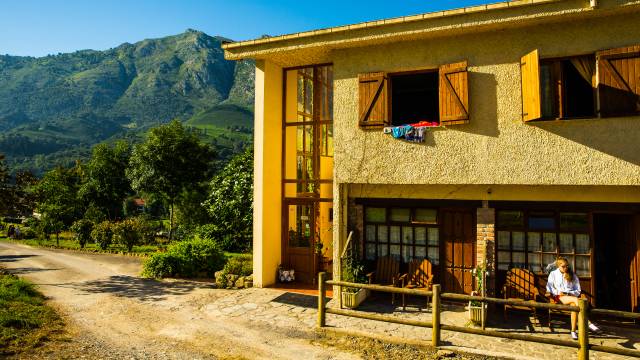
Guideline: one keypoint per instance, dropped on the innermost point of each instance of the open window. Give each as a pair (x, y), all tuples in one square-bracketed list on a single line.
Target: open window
[(581, 86), (440, 95)]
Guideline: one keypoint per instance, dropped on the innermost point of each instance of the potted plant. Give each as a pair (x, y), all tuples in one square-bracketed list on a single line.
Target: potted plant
[(353, 271), (478, 309)]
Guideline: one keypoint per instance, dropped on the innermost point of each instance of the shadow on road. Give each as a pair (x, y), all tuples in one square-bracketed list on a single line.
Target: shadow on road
[(29, 270), (138, 288), (12, 258)]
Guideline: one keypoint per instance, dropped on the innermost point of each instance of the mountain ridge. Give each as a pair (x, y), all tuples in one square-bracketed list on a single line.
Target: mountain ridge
[(55, 107)]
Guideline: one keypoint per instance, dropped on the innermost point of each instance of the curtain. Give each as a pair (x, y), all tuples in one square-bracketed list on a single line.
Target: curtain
[(586, 66)]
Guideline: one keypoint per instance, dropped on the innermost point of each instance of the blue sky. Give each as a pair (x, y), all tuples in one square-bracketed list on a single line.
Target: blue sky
[(41, 27)]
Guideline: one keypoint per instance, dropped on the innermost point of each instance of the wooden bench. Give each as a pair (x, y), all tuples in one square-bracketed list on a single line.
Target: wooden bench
[(418, 276), (387, 273), (521, 284)]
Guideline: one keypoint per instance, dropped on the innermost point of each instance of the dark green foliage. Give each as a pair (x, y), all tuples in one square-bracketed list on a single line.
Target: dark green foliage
[(230, 202), (171, 162), (105, 185), (102, 234), (54, 108), (127, 233), (82, 229), (189, 258), (239, 265)]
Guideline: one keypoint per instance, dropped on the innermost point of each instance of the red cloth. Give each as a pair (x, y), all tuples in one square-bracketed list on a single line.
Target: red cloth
[(557, 299), (425, 123)]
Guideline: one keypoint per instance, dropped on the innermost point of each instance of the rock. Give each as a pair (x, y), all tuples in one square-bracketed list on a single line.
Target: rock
[(445, 353), (219, 276), (248, 284), (240, 282), (249, 278), (231, 280)]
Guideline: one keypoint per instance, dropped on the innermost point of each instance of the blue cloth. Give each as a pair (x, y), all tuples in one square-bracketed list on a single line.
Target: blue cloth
[(399, 132)]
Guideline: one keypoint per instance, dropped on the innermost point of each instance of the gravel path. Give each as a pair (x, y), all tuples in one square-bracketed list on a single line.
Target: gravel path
[(112, 313)]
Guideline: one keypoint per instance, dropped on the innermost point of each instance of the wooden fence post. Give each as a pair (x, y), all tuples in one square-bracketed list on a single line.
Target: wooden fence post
[(583, 330), (321, 299), (435, 315)]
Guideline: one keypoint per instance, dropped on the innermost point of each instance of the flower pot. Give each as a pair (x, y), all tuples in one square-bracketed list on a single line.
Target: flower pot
[(353, 300), (475, 312)]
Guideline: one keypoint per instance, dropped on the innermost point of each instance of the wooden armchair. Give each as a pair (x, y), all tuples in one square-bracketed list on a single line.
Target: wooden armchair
[(419, 276), (551, 300), (521, 284), (387, 273)]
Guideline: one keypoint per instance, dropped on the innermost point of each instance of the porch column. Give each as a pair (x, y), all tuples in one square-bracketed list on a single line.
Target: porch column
[(340, 231), (486, 244), (267, 193)]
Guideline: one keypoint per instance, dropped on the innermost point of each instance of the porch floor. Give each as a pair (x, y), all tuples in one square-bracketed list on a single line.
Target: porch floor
[(287, 311)]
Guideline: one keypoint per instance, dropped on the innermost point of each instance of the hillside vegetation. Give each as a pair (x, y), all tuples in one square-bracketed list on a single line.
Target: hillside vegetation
[(54, 108)]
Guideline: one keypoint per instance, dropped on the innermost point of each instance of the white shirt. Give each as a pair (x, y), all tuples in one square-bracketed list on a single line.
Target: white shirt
[(557, 284)]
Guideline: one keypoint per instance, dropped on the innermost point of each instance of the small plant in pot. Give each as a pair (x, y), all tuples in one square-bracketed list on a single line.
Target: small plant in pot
[(476, 308), (353, 270)]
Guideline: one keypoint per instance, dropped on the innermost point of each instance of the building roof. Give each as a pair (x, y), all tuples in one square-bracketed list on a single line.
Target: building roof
[(314, 46)]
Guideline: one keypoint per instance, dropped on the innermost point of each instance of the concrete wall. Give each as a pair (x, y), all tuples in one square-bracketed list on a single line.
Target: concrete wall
[(496, 147), (267, 218)]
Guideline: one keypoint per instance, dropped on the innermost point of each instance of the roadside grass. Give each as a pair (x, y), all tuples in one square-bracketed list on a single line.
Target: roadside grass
[(25, 321)]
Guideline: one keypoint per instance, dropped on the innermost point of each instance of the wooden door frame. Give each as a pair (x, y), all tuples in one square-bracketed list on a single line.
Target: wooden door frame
[(444, 267)]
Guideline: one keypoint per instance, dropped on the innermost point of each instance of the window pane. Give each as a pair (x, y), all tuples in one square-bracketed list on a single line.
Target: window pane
[(421, 252), (517, 240), (434, 237), (510, 218), (402, 215), (426, 215), (503, 240), (434, 255), (548, 259), (375, 215), (582, 244), (549, 242), (518, 259), (542, 221), (504, 259), (534, 242), (394, 237), (407, 253), (382, 250), (407, 235), (534, 262), (547, 98), (566, 243), (583, 266), (574, 221), (395, 251), (383, 232), (371, 233), (421, 235), (371, 251)]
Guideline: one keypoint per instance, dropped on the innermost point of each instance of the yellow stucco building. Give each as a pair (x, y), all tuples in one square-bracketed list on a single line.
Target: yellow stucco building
[(525, 144)]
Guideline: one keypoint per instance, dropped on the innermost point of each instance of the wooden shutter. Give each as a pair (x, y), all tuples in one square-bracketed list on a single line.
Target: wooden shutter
[(454, 94), (619, 81), (374, 100), (634, 265), (530, 77)]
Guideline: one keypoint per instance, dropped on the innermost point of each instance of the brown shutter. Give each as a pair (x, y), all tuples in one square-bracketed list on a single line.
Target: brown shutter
[(374, 100), (530, 76), (454, 94), (619, 81)]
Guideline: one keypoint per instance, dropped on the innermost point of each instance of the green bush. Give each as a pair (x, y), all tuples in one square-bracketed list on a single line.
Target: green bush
[(186, 259), (102, 234), (29, 233), (82, 229), (239, 265), (126, 232)]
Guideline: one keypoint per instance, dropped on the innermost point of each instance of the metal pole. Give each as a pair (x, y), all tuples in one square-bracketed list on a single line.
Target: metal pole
[(340, 287), (321, 297), (483, 305), (435, 311), (583, 330)]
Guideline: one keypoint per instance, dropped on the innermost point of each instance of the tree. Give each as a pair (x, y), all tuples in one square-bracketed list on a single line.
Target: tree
[(102, 234), (82, 228), (5, 187), (230, 201), (127, 233), (57, 198), (106, 185), (168, 163)]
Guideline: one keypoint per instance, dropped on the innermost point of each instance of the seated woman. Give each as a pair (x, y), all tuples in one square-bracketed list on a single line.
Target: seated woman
[(564, 287)]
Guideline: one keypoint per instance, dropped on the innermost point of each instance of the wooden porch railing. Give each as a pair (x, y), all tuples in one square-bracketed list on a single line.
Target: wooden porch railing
[(436, 326)]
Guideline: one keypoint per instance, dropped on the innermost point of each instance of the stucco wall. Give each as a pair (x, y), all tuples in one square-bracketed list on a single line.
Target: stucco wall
[(496, 147)]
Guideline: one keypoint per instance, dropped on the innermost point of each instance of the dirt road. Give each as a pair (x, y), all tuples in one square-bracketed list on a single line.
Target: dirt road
[(113, 313)]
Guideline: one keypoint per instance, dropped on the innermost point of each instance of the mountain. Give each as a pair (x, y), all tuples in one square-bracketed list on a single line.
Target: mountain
[(54, 108)]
